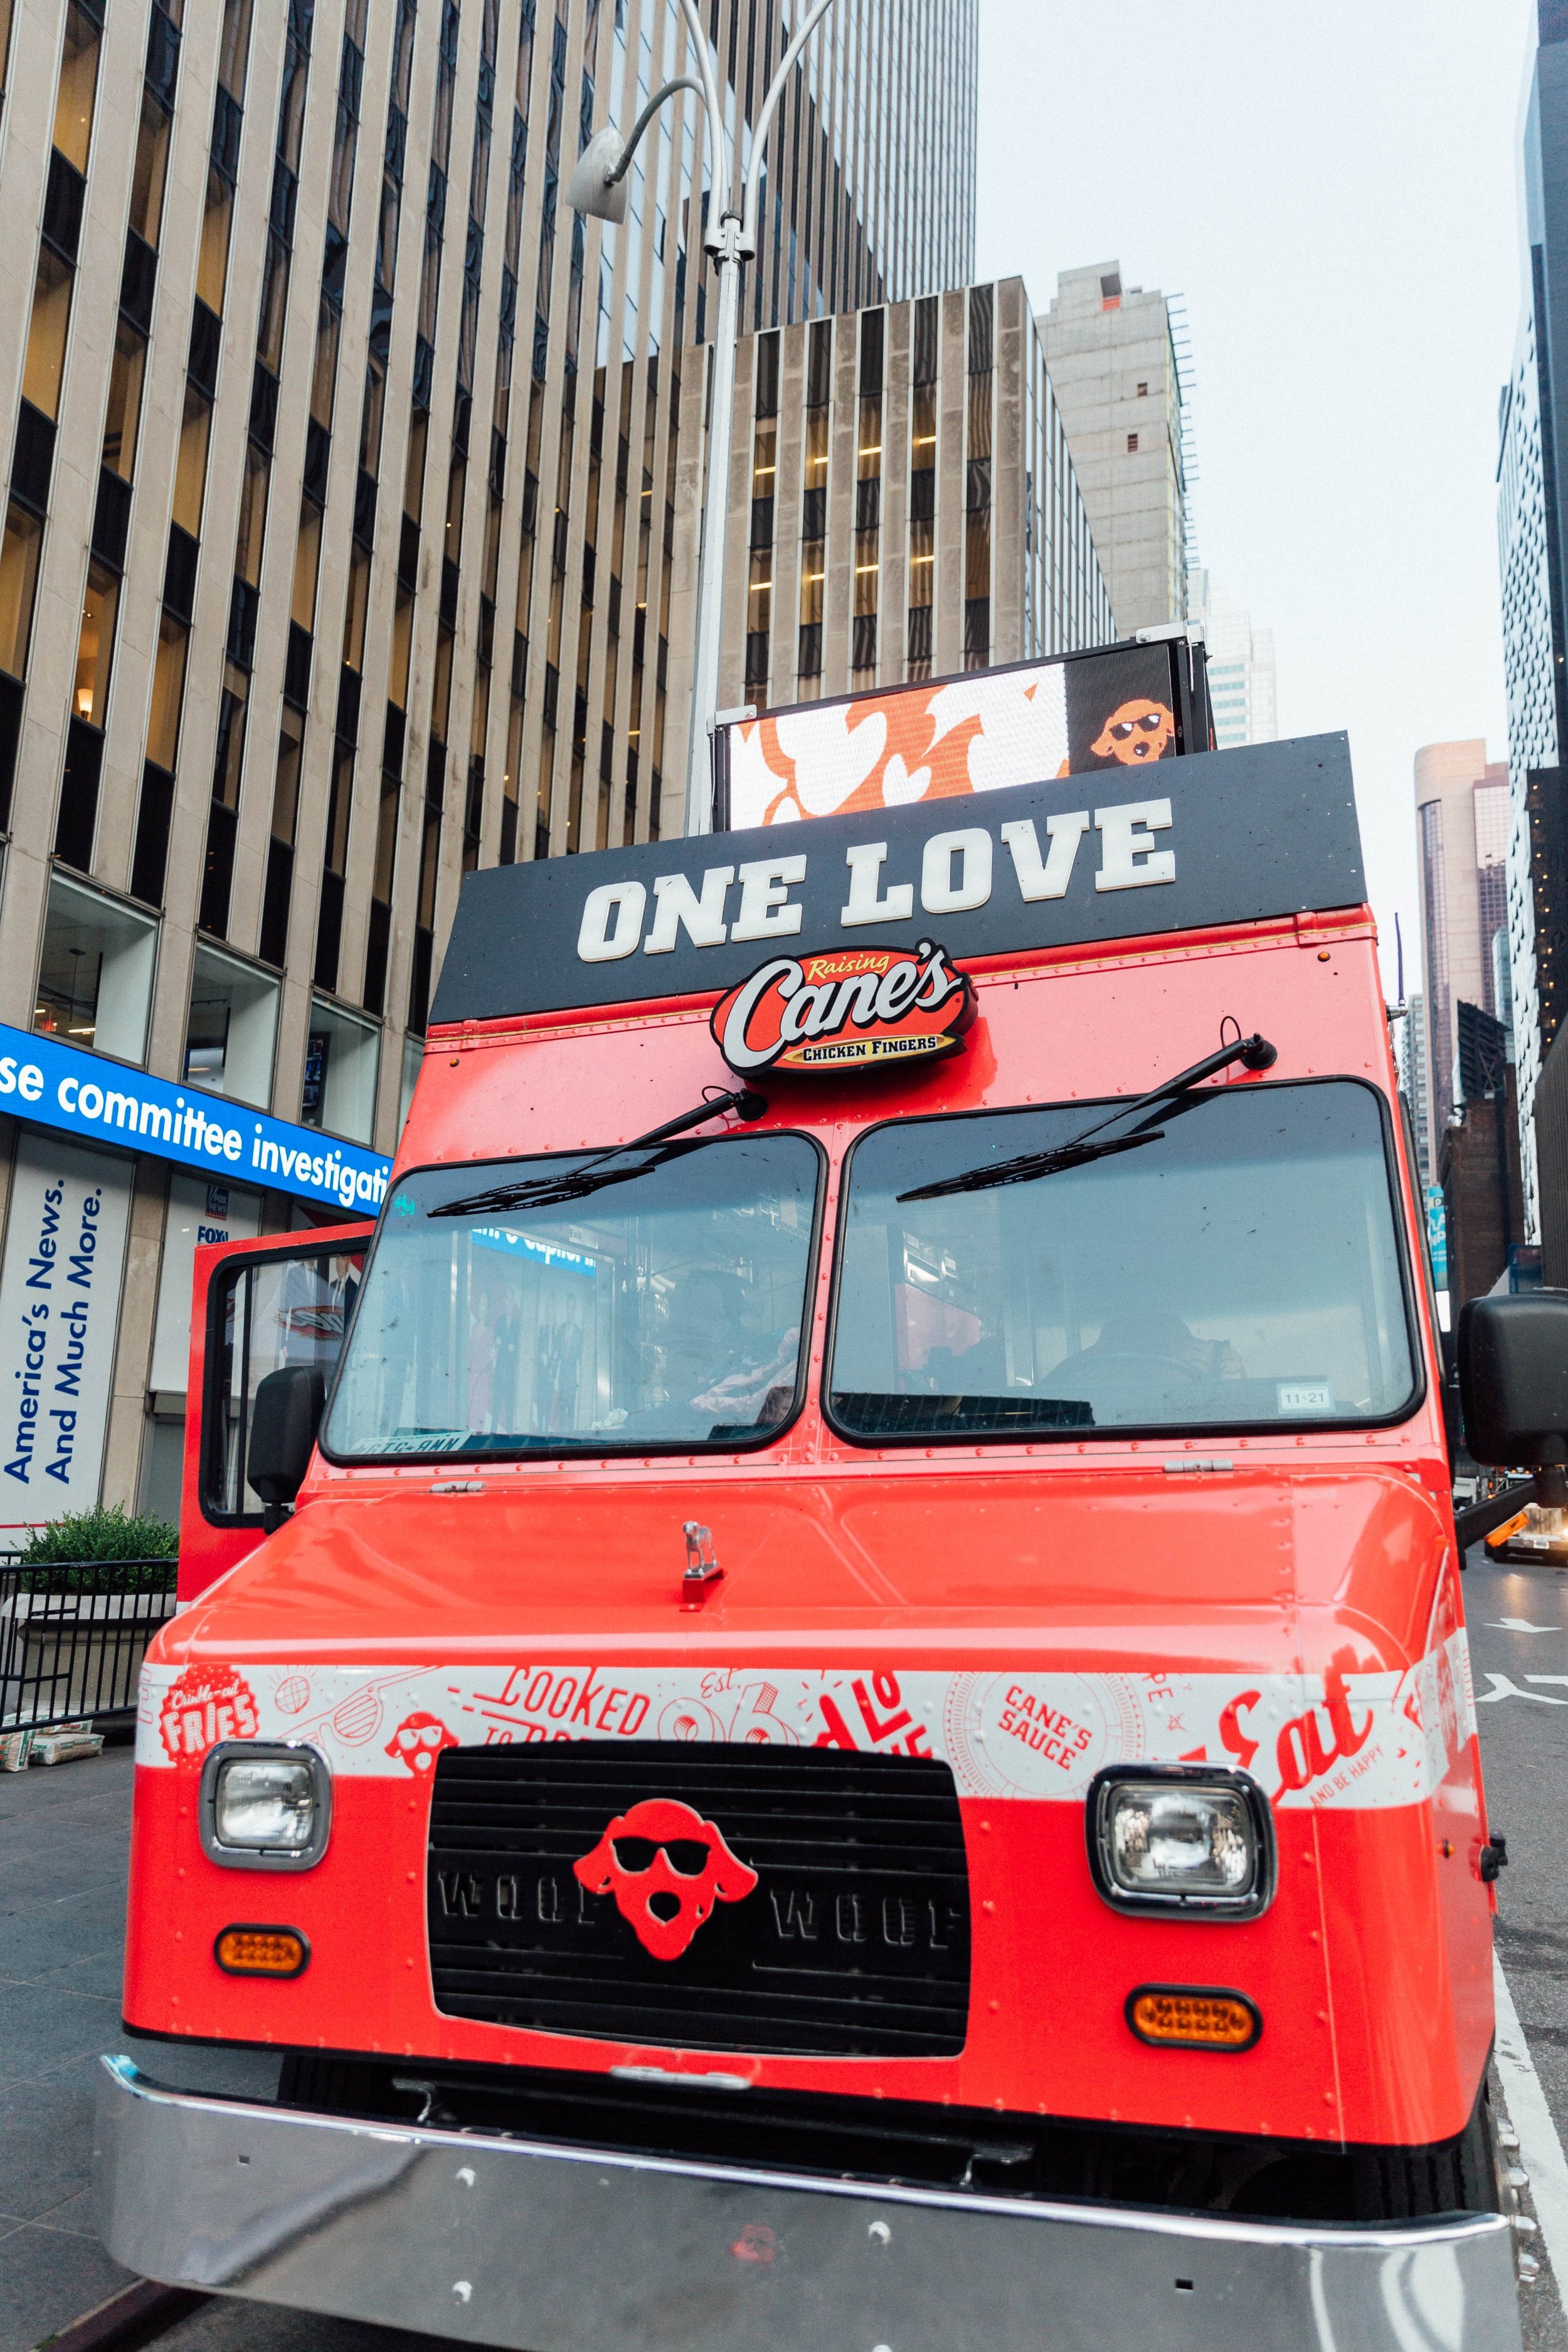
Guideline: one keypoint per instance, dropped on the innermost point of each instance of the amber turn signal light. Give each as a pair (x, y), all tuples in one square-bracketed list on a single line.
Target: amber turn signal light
[(1193, 2017), (261, 1952)]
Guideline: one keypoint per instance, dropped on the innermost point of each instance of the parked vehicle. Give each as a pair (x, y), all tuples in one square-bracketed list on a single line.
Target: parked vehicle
[(855, 1727)]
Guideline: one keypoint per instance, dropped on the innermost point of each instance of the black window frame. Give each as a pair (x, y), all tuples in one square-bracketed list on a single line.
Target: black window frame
[(638, 1450), (1122, 1433)]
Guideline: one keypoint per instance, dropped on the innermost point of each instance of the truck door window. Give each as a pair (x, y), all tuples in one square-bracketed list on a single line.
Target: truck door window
[(1239, 1269), (661, 1305), (265, 1313)]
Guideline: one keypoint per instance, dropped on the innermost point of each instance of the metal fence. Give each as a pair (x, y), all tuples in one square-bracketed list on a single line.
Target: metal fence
[(73, 1635)]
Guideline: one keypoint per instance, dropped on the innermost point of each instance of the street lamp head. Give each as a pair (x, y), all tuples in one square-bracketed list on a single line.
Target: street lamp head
[(597, 186)]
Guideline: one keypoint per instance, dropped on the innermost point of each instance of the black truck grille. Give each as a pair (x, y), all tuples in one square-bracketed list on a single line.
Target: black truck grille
[(853, 1941)]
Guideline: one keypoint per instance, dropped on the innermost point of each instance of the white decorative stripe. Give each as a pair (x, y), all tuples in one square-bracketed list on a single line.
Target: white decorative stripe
[(1345, 1740)]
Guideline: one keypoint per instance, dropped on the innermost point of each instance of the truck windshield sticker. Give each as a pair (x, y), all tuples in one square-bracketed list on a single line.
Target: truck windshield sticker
[(550, 1254), (1306, 1396), (1230, 837), (1345, 1739), (849, 1008)]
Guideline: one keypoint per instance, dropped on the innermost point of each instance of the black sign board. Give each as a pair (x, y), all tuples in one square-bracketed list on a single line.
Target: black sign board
[(1223, 837)]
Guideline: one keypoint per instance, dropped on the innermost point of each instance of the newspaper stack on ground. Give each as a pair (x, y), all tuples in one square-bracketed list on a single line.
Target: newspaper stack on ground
[(62, 1742)]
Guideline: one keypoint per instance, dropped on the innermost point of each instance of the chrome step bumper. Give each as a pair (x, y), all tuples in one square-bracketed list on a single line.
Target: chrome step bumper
[(550, 2248)]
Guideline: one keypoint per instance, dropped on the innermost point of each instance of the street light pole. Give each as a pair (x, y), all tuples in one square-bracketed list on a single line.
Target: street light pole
[(598, 187)]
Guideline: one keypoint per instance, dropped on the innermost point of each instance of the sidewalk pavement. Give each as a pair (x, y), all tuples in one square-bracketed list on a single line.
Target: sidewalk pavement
[(65, 1835), (64, 1839)]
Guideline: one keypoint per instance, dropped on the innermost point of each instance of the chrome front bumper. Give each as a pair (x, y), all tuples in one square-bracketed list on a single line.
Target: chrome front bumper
[(550, 2248)]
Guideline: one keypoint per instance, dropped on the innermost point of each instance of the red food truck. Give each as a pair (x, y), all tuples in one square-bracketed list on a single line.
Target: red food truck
[(848, 1722)]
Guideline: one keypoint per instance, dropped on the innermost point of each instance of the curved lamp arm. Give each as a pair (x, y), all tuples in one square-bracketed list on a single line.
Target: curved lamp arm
[(597, 183), (682, 81), (698, 39), (764, 124)]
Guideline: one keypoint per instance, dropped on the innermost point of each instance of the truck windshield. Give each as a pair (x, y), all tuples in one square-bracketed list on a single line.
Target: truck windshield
[(1239, 1269), (664, 1310)]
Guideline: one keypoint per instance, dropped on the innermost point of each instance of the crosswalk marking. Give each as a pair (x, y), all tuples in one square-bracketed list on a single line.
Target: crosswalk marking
[(1504, 1686)]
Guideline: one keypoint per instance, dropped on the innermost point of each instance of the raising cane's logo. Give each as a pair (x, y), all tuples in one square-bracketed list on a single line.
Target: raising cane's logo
[(852, 1007), (206, 1703), (665, 1867)]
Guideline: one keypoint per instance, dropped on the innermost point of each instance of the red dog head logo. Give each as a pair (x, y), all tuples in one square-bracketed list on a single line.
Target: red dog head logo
[(665, 1867), (418, 1740)]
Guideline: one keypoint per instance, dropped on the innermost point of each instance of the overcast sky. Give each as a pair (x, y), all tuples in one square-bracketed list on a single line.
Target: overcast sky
[(1333, 190)]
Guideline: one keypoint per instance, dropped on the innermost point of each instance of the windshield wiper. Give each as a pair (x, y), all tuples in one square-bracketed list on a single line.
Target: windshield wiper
[(547, 1192), (1255, 1053)]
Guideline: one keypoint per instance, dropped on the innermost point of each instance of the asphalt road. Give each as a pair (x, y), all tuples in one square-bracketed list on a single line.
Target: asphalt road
[(62, 1889), (1518, 1620)]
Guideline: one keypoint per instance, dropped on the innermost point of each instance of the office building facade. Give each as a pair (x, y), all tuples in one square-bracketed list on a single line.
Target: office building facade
[(1111, 353), (902, 502), (337, 556), (1411, 1055), (1242, 693), (1532, 530), (1462, 820)]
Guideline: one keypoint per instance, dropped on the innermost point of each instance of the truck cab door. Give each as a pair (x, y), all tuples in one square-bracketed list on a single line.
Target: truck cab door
[(256, 1306)]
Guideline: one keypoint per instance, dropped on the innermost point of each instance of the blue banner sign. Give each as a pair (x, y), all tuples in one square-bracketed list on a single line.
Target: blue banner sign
[(105, 1102), (1437, 1235)]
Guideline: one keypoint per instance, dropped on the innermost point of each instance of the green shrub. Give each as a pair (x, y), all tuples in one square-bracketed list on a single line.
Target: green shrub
[(83, 1539)]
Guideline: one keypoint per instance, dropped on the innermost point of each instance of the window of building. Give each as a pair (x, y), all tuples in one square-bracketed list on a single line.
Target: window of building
[(1131, 442), (413, 1056), (355, 604), (78, 86), (977, 494), (922, 490), (231, 1027), (764, 476), (191, 468), (95, 644), (95, 975), (168, 683), (233, 47), (46, 359), (273, 941), (19, 585), (151, 169), (212, 260), (252, 514), (867, 495), (1142, 392), (123, 412), (307, 554), (343, 1056)]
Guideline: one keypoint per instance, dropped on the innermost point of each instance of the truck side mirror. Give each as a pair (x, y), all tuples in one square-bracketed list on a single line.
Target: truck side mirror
[(285, 1417), (1513, 1385)]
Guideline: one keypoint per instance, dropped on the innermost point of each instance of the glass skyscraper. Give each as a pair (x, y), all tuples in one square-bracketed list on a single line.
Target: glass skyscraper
[(1531, 519)]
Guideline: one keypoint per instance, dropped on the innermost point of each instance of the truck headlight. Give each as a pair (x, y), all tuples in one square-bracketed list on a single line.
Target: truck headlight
[(1180, 1839), (265, 1807)]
